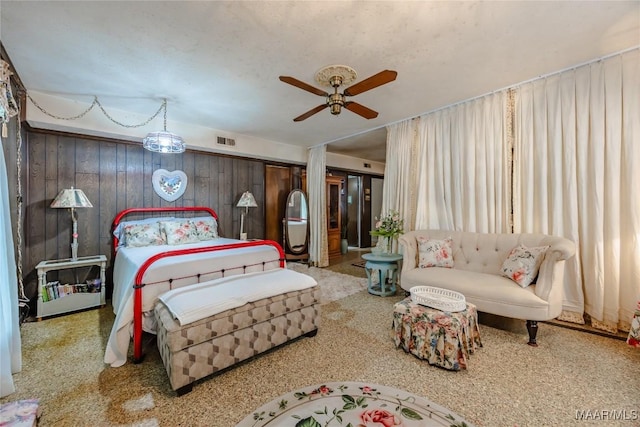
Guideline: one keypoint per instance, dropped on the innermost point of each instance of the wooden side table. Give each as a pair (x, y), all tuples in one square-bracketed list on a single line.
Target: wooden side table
[(387, 267), (74, 301)]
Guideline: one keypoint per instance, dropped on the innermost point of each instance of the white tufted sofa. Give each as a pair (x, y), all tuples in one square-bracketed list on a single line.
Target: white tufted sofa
[(478, 258)]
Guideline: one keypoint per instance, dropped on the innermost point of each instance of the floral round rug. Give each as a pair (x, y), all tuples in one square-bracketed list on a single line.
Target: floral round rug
[(352, 404)]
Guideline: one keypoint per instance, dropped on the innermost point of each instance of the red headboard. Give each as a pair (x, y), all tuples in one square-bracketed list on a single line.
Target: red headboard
[(126, 212)]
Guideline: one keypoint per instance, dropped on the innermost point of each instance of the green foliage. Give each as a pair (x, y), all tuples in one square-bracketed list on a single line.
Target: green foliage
[(391, 225)]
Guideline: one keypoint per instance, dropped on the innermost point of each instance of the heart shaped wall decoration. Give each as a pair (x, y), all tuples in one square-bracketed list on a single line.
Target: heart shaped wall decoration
[(169, 185)]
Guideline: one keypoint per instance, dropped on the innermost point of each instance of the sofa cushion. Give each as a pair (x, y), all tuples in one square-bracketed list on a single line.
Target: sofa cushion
[(435, 253), (489, 292), (522, 264)]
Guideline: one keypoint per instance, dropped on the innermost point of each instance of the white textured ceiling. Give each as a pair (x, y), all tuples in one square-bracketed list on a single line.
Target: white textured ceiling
[(218, 62)]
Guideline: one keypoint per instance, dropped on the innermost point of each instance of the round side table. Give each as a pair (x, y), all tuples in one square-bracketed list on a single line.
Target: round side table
[(387, 267)]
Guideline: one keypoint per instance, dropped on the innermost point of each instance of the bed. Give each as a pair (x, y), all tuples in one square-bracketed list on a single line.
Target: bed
[(157, 254)]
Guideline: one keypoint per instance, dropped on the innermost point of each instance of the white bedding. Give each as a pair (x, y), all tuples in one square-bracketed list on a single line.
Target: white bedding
[(182, 270), (192, 303)]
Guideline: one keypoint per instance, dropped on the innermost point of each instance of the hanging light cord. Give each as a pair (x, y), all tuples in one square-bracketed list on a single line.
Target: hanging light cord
[(96, 102), (22, 297)]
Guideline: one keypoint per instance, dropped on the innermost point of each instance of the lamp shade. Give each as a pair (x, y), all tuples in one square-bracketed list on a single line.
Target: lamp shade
[(164, 142), (247, 201), (71, 198)]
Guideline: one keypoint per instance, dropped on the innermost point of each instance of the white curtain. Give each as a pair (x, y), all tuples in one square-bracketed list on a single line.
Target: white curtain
[(317, 191), (10, 346), (399, 186), (463, 167), (577, 174)]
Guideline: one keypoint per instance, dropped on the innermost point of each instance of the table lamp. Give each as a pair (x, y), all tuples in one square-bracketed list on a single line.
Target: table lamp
[(246, 201), (72, 198)]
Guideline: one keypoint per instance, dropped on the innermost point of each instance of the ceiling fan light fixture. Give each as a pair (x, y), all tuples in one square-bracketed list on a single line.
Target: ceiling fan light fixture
[(335, 76)]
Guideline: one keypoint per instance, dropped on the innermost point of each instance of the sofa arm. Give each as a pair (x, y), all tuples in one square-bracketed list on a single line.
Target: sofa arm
[(550, 281), (410, 251), (564, 248)]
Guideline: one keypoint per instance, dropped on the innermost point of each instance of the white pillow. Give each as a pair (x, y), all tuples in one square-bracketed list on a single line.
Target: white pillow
[(522, 264), (179, 231), (137, 235), (207, 228), (435, 253)]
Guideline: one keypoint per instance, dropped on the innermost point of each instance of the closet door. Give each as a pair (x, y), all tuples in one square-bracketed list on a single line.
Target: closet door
[(334, 214)]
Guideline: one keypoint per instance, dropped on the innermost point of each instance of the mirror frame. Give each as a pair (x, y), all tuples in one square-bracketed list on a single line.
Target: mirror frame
[(289, 250)]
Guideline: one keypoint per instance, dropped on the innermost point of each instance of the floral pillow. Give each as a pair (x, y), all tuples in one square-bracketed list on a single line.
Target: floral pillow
[(523, 263), (207, 228), (179, 232), (435, 253), (119, 233), (145, 234)]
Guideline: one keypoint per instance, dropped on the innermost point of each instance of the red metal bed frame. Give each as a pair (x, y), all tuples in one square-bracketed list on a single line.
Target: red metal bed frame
[(138, 284)]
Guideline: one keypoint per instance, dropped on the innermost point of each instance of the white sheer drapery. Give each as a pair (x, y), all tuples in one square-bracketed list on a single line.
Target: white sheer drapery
[(577, 174), (317, 191), (463, 167), (399, 186), (10, 345)]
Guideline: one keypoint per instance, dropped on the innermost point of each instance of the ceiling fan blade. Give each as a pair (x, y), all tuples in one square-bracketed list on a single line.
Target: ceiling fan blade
[(311, 113), (302, 85), (361, 110), (383, 77)]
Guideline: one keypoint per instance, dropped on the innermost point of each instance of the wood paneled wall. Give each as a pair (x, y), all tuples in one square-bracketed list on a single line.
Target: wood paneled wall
[(117, 175)]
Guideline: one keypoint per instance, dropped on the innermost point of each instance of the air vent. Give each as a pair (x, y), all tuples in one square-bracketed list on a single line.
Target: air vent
[(226, 141), (367, 165)]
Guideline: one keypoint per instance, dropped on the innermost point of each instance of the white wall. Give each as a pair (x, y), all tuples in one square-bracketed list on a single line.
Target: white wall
[(197, 137)]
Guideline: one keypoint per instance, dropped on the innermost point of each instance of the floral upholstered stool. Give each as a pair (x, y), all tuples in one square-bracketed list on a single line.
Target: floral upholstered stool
[(441, 338)]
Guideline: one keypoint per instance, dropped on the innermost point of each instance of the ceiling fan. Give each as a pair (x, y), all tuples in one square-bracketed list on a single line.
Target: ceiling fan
[(335, 76)]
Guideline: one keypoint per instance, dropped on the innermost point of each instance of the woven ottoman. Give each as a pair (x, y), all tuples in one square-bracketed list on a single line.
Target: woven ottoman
[(441, 338), (195, 350)]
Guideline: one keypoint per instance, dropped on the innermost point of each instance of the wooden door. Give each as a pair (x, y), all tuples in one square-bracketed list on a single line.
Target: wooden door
[(277, 183)]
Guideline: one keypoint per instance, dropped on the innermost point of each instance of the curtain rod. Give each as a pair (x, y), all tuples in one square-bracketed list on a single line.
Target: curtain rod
[(513, 86)]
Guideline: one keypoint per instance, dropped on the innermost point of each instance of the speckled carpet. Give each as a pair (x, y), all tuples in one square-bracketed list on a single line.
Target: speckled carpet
[(570, 375)]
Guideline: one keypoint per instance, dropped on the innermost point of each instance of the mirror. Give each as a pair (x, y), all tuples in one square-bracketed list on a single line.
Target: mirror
[(296, 225)]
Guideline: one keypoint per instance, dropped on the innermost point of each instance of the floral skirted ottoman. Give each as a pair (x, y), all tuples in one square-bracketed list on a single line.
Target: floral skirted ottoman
[(442, 338)]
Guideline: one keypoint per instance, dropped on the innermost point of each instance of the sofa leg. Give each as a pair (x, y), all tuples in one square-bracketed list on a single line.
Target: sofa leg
[(532, 327)]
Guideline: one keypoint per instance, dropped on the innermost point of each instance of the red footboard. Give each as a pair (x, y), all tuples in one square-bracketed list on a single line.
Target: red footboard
[(138, 286)]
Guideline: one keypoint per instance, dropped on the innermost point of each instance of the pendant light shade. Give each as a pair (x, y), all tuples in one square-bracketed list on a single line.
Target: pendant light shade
[(163, 141)]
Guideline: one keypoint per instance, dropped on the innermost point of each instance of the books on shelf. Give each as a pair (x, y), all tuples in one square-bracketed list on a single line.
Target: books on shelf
[(55, 290)]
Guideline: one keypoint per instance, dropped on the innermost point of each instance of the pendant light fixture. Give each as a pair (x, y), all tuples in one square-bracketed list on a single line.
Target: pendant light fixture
[(163, 141)]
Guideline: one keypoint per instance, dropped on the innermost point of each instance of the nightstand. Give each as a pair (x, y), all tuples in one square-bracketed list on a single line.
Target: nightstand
[(70, 297)]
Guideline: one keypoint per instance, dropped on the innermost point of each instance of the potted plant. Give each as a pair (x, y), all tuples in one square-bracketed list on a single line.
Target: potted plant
[(387, 229)]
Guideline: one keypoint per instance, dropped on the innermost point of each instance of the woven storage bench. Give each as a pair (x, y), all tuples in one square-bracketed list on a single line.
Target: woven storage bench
[(195, 350)]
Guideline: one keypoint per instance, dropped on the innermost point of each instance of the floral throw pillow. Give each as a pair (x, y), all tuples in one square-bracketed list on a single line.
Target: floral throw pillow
[(180, 232), (207, 229), (435, 253), (522, 264), (138, 235)]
